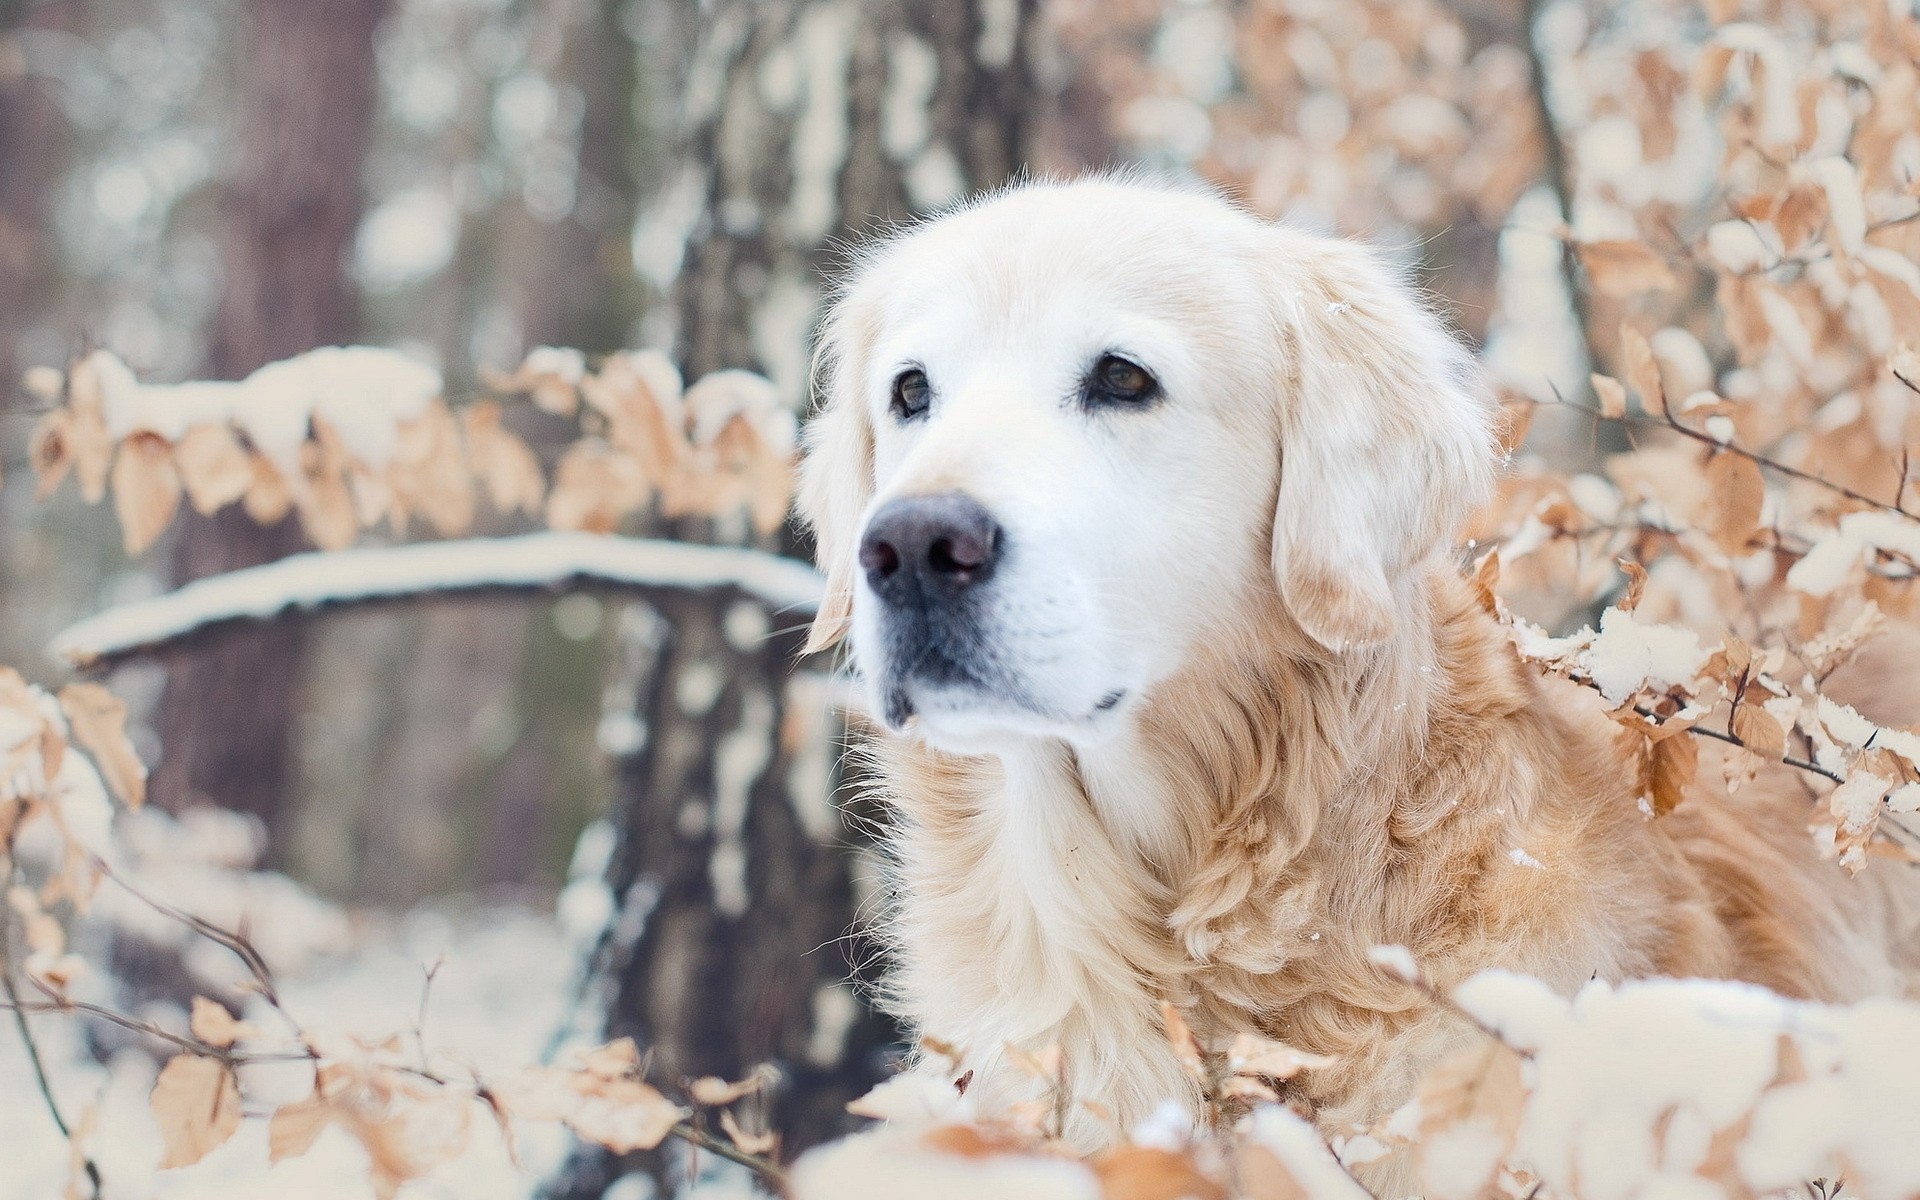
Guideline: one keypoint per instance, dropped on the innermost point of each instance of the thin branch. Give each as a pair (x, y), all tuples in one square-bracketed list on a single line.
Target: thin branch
[(1706, 439), (33, 1054), (1732, 739)]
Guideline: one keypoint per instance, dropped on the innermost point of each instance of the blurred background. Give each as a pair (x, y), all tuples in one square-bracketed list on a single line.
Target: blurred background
[(533, 786)]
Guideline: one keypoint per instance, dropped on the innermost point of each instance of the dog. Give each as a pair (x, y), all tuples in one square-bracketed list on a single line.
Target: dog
[(1138, 510)]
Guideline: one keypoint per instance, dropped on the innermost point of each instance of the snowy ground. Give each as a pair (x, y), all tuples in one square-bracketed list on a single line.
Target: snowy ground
[(501, 990)]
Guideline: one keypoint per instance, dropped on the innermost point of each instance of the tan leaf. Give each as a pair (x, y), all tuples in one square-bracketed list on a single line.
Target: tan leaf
[(1180, 1036), (1263, 1176), (1904, 362), (1643, 374), (1636, 585), (1735, 493), (1670, 766), (1047, 1064), (213, 466), (50, 451), (1251, 1054), (1621, 268), (295, 1127), (750, 1143), (268, 499), (504, 464), (1151, 1173), (594, 487), (1759, 731), (146, 490), (98, 719), (1612, 396), (713, 1091), (214, 1025), (197, 1105)]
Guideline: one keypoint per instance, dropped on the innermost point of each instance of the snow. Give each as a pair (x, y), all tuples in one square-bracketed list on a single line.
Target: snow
[(362, 392), (1301, 1151), (1635, 1089), (501, 989), (1628, 655), (532, 560), (1831, 561)]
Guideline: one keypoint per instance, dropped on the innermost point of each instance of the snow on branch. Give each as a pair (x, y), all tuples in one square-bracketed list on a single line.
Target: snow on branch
[(536, 560)]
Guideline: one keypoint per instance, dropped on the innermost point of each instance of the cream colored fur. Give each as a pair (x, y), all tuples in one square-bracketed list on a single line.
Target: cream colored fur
[(1329, 745)]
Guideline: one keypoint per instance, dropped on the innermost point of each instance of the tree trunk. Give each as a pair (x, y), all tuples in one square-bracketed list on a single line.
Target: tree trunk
[(805, 126), (293, 203), (33, 137)]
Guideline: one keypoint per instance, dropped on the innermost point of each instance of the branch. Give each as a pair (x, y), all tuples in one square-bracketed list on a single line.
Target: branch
[(1732, 739), (1669, 421), (535, 561), (33, 1053)]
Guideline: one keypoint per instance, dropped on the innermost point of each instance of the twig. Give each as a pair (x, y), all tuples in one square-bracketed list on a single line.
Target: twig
[(1732, 739), (33, 1054), (1753, 456)]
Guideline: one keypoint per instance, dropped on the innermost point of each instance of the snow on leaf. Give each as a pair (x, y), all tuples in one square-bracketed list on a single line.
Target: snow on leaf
[(197, 1105), (1628, 655)]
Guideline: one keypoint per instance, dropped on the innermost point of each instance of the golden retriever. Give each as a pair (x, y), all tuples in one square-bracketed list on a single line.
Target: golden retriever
[(1138, 510)]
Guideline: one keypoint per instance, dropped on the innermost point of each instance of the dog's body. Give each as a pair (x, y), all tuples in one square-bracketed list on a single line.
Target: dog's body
[(1189, 704)]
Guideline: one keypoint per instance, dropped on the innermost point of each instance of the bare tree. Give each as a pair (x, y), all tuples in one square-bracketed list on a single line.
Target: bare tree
[(292, 205), (803, 126)]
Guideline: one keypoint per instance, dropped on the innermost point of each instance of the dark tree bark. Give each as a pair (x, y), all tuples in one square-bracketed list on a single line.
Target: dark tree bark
[(292, 205), (33, 140), (805, 126)]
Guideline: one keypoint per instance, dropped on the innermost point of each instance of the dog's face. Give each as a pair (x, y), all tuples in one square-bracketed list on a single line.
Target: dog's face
[(1075, 428)]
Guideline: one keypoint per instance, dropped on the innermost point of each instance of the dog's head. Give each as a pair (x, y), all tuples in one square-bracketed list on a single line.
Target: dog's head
[(1074, 428)]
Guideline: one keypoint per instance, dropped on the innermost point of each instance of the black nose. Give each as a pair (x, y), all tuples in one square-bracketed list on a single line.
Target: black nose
[(922, 550)]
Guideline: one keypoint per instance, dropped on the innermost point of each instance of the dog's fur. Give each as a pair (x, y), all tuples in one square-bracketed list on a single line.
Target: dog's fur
[(1325, 744)]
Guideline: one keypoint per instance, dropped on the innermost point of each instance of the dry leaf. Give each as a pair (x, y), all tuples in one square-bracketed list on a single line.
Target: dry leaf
[(146, 490), (1251, 1054), (504, 464), (1186, 1047), (1636, 585), (197, 1105), (1735, 494), (750, 1143), (1610, 393), (1619, 268), (1759, 732), (98, 719), (295, 1127), (1667, 771), (1643, 374), (214, 467), (214, 1025), (268, 499), (1150, 1173)]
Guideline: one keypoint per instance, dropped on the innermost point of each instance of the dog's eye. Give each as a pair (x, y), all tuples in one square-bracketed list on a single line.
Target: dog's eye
[(911, 394), (1115, 380)]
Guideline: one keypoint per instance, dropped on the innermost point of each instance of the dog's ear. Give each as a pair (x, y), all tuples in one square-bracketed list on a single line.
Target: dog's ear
[(836, 476), (1386, 443)]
